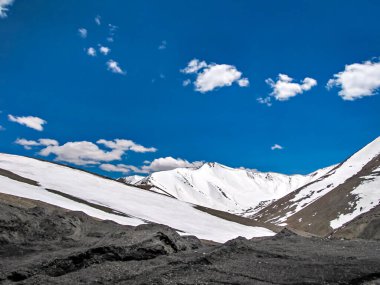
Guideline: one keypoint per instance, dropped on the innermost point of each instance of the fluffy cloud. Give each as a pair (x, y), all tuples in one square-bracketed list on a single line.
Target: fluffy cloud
[(126, 145), (211, 76), (114, 67), (81, 153), (244, 82), (122, 168), (29, 121), (217, 75), (357, 80), (82, 33), (276, 146), (158, 164), (104, 50), (168, 163), (48, 142), (4, 7), (194, 66), (85, 152), (28, 144), (91, 51), (163, 45), (284, 88)]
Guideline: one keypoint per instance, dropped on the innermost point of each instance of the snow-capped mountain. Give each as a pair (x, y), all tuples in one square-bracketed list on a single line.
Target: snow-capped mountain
[(219, 187), (320, 203), (132, 180), (350, 189), (108, 199)]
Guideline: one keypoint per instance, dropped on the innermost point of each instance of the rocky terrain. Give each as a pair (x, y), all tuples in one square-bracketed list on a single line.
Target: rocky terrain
[(44, 244), (348, 191), (365, 226)]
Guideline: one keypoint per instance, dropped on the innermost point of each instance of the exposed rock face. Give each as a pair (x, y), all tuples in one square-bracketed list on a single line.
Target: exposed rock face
[(365, 226), (43, 244), (349, 190)]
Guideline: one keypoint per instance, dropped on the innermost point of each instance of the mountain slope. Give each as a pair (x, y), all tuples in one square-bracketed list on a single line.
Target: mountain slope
[(44, 244), (349, 190), (223, 188), (108, 199), (364, 226)]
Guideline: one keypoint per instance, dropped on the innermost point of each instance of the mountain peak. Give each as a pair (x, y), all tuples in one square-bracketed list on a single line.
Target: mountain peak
[(213, 165)]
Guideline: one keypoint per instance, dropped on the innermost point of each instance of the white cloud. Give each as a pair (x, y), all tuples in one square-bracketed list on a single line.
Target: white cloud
[(216, 75), (47, 142), (168, 163), (28, 144), (2, 128), (4, 7), (194, 66), (357, 80), (276, 146), (91, 51), (28, 121), (284, 88), (98, 20), (110, 39), (81, 153), (88, 153), (116, 168), (158, 164), (163, 45), (85, 152), (211, 76), (126, 145), (265, 100), (114, 67), (104, 50), (244, 82), (82, 33)]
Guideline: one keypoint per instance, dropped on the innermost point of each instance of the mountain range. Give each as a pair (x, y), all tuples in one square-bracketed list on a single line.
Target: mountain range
[(213, 201), (213, 185), (207, 225), (318, 203)]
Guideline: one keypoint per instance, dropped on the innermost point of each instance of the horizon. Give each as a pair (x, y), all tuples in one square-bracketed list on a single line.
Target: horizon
[(124, 88), (89, 170)]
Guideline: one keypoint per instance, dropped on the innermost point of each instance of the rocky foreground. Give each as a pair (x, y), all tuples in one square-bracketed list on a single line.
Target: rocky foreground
[(43, 244)]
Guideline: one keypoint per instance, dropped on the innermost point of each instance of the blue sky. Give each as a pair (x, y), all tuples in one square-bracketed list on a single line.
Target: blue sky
[(46, 73)]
